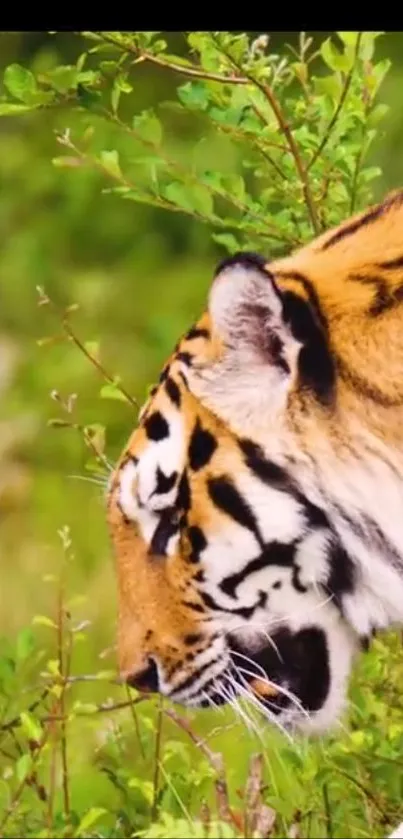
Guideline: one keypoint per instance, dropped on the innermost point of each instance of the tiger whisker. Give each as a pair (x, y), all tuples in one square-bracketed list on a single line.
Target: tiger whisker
[(265, 711), (231, 699), (282, 690)]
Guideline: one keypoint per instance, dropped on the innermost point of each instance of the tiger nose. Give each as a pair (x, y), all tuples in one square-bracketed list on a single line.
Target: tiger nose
[(144, 680)]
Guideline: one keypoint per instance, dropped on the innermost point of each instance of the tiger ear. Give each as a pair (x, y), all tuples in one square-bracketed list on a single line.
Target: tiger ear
[(247, 312)]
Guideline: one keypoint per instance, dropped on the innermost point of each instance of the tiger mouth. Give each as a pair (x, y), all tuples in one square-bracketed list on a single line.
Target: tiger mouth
[(291, 673)]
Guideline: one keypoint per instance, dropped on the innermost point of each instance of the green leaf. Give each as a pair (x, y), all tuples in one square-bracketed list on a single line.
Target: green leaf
[(335, 59), (25, 644), (110, 162), (10, 108), (89, 99), (93, 815), (192, 197), (66, 162), (377, 114), (20, 82), (43, 620), (348, 38), (23, 766), (92, 348), (63, 78), (194, 95), (235, 185), (367, 44), (228, 241), (30, 726), (85, 707), (145, 787), (148, 127), (329, 85), (110, 391)]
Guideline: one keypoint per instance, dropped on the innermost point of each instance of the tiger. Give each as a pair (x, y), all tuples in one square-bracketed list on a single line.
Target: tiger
[(256, 511)]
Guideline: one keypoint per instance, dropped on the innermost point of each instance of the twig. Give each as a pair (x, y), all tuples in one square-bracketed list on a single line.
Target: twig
[(64, 667), (44, 299), (157, 759), (104, 373), (302, 172), (343, 96), (16, 721), (137, 727), (21, 786), (191, 72), (286, 130), (214, 758), (328, 812)]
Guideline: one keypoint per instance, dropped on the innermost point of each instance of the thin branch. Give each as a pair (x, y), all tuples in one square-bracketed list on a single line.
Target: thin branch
[(157, 759), (328, 812), (284, 127), (302, 172), (191, 72), (104, 373), (214, 758), (343, 96), (45, 300)]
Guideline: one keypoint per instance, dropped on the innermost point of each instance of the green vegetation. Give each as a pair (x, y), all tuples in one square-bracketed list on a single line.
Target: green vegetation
[(129, 164)]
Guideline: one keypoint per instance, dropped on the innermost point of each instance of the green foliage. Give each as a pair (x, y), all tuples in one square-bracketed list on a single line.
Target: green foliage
[(265, 146), (300, 124)]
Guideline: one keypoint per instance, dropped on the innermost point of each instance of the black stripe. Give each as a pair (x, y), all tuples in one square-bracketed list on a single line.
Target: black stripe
[(244, 612), (195, 607), (173, 391), (275, 553), (372, 215), (197, 541), (156, 426), (201, 447), (370, 391), (310, 289), (185, 357), (382, 297), (164, 482), (192, 638), (184, 497), (392, 263), (166, 527), (342, 577), (309, 326), (227, 498), (196, 332), (276, 477), (189, 681)]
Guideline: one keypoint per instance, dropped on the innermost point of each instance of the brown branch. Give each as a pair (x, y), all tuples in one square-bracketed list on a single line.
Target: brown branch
[(104, 373), (343, 96), (286, 130), (157, 759), (191, 72), (302, 172), (214, 758)]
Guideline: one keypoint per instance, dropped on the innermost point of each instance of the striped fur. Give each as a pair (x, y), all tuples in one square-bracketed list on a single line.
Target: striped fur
[(256, 511)]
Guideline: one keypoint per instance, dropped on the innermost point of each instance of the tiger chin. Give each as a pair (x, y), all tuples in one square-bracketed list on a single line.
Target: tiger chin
[(256, 512)]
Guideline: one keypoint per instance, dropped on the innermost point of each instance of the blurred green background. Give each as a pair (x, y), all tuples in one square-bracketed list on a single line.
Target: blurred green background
[(140, 276)]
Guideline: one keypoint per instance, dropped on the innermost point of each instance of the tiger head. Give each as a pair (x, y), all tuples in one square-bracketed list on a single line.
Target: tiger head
[(256, 510)]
